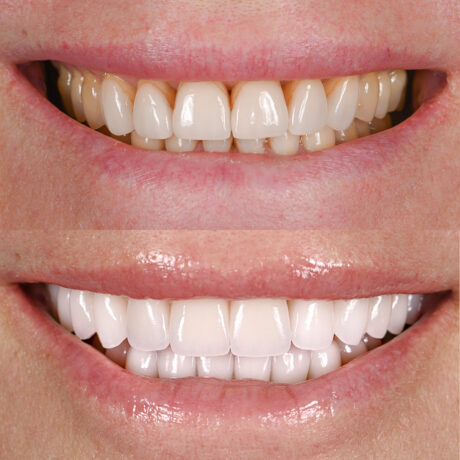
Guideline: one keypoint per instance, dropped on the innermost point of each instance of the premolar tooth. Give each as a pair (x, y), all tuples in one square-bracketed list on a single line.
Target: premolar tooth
[(371, 342), (173, 366), (118, 354), (312, 323), (398, 80), (152, 113), (398, 313), (218, 146), (75, 94), (202, 111), (414, 307), (81, 312), (350, 352), (324, 361), (253, 368), (320, 140), (110, 319), (287, 144), (199, 327), (350, 319), (64, 84), (92, 100), (379, 316), (384, 94), (307, 106), (219, 367), (175, 144), (117, 104), (146, 143), (259, 327), (346, 135), (142, 362), (362, 128), (368, 96), (53, 291), (63, 308), (148, 324), (258, 110), (291, 367), (342, 100), (250, 145), (377, 124)]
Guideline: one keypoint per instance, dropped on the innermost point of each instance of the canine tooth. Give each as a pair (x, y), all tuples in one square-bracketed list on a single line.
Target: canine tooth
[(350, 352), (253, 368), (173, 366), (142, 362), (81, 312), (175, 144), (202, 111), (259, 327), (117, 104), (291, 367), (146, 143), (312, 323), (379, 316), (91, 99), (350, 319), (346, 135), (324, 361), (250, 145), (110, 319), (218, 146), (64, 84), (371, 342), (75, 95), (377, 124), (63, 308), (148, 324), (118, 354), (362, 127), (414, 307), (398, 81), (398, 313), (384, 94), (199, 327), (258, 110), (287, 144), (219, 367), (368, 96), (320, 140), (342, 100), (307, 106), (152, 113)]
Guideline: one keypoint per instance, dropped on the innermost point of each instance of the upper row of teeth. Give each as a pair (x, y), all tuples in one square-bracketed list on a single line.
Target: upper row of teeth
[(316, 113)]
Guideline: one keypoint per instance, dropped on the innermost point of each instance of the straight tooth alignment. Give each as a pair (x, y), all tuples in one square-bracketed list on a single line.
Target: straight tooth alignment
[(285, 341), (249, 117)]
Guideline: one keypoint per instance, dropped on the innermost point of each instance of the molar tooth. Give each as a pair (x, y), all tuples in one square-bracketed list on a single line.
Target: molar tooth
[(379, 316), (346, 135), (414, 307), (146, 143), (384, 94), (398, 80), (142, 362), (218, 146), (175, 144), (219, 367), (250, 145), (320, 140), (350, 352), (259, 327), (368, 96), (253, 368), (117, 104), (110, 319), (64, 84), (398, 317), (362, 128), (118, 354), (91, 99), (307, 106), (202, 111), (258, 110), (350, 319), (81, 312), (173, 366), (148, 324), (324, 361), (291, 367), (199, 327), (75, 94), (287, 144), (377, 124), (342, 100), (63, 308)]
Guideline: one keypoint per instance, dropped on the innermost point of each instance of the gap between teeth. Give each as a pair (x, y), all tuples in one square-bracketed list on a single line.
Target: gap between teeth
[(281, 340)]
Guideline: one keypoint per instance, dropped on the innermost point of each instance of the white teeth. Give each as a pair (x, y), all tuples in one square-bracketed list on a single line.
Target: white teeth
[(253, 368), (218, 146), (75, 95), (320, 140), (368, 97), (291, 367), (414, 307), (370, 342), (81, 312), (350, 352), (324, 361), (117, 105), (312, 323), (384, 94), (287, 144), (250, 145), (53, 291), (142, 362), (350, 319), (202, 111), (307, 106), (118, 354), (219, 367), (148, 324), (152, 113), (259, 327), (379, 316), (92, 101), (199, 327), (63, 308), (110, 319), (172, 366), (147, 143), (342, 100), (398, 313), (175, 144), (398, 80), (258, 110)]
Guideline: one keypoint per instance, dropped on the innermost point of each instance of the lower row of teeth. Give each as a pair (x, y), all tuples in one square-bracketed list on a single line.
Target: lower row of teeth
[(285, 341), (284, 118)]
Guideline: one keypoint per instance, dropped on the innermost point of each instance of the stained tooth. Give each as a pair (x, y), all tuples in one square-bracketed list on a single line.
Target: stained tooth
[(307, 106), (371, 342), (377, 124), (350, 352), (258, 110), (312, 323), (414, 307), (63, 308), (250, 145), (218, 146), (142, 362), (350, 319), (219, 367), (75, 95), (174, 144), (117, 105), (146, 143), (202, 111), (398, 81), (118, 354), (148, 324), (110, 319), (64, 84), (287, 144), (384, 94), (320, 140), (259, 327), (253, 368), (368, 96), (173, 366), (152, 113), (81, 312), (92, 100), (379, 316), (346, 135), (199, 327), (342, 100), (324, 361), (291, 367), (362, 128), (398, 317)]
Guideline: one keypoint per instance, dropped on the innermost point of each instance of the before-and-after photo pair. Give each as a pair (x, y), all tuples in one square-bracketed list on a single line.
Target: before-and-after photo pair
[(229, 229)]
